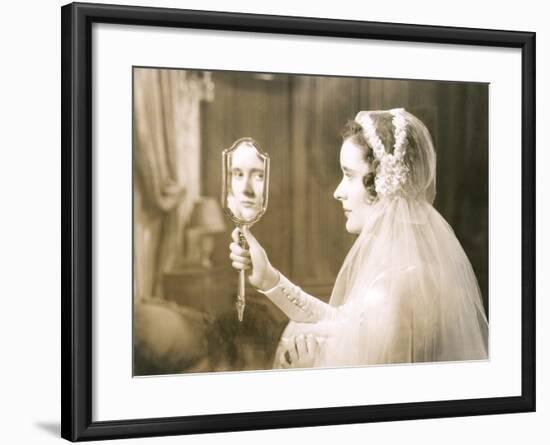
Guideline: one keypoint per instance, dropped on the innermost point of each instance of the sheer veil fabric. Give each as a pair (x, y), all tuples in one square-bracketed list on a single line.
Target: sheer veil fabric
[(406, 291)]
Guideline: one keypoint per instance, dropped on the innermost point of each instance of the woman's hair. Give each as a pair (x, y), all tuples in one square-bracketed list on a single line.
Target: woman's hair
[(354, 132), (419, 155)]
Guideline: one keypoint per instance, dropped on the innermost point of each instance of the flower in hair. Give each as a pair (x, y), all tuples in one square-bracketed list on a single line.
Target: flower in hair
[(392, 172), (391, 176)]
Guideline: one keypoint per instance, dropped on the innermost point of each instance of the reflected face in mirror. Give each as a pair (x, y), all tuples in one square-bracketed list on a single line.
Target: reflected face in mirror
[(246, 192)]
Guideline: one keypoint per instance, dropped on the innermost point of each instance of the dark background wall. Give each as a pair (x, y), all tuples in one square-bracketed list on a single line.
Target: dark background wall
[(298, 121)]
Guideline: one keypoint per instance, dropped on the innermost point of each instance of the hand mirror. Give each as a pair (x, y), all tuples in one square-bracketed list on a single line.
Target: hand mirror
[(245, 190)]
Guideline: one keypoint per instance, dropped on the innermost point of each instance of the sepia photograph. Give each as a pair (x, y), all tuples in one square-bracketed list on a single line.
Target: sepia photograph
[(285, 221)]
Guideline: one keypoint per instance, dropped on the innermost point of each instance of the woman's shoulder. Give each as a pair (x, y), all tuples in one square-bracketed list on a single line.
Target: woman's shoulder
[(403, 284), (401, 272)]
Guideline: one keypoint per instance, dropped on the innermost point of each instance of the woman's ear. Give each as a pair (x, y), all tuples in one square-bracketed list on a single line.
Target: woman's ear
[(368, 183)]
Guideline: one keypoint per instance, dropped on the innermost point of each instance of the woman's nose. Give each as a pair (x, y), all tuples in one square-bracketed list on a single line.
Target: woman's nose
[(248, 189), (338, 192)]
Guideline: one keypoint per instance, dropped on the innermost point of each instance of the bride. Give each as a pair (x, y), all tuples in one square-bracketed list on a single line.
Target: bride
[(406, 291)]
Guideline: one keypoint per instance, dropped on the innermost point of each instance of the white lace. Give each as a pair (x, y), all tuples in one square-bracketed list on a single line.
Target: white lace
[(392, 171)]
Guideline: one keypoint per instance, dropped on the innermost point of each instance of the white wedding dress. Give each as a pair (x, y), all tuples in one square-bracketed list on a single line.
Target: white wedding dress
[(406, 291)]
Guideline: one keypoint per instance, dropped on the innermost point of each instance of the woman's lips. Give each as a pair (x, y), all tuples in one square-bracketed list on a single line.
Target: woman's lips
[(248, 204)]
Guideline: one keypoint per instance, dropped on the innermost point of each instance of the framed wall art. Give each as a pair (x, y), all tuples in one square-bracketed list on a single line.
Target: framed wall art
[(273, 222)]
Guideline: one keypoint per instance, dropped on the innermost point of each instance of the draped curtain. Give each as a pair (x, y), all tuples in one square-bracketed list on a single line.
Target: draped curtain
[(166, 169)]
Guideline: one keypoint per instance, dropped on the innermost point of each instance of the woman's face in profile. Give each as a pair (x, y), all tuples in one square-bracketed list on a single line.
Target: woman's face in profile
[(351, 191), (247, 182)]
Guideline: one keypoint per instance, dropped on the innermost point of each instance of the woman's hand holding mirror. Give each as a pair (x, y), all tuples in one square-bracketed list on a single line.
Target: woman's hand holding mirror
[(263, 275)]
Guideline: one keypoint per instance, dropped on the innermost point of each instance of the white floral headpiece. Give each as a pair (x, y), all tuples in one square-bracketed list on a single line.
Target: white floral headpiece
[(392, 172)]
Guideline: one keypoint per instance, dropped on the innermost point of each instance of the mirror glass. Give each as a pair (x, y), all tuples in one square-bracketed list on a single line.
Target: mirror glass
[(246, 182)]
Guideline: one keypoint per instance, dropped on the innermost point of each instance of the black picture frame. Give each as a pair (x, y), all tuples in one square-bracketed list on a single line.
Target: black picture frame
[(76, 230)]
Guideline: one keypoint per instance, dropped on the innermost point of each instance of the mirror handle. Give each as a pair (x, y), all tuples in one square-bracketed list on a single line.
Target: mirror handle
[(241, 298)]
